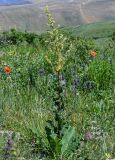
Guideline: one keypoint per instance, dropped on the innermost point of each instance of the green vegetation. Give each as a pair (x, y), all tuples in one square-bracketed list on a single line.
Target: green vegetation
[(94, 30), (101, 32), (56, 96)]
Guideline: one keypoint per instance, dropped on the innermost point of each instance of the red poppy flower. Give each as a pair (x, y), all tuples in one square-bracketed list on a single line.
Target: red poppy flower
[(93, 53), (7, 70)]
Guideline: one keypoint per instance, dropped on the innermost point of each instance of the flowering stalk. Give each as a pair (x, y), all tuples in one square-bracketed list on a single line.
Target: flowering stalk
[(55, 60), (8, 149), (55, 43)]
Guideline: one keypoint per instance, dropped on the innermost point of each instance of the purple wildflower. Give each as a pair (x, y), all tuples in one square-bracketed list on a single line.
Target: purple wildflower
[(8, 148), (88, 136), (83, 66), (89, 85), (76, 82), (10, 142), (7, 156)]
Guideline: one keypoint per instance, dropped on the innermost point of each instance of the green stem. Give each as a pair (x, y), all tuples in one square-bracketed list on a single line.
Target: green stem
[(59, 106)]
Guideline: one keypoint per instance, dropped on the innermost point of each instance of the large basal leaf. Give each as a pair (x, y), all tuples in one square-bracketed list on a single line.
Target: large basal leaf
[(67, 139)]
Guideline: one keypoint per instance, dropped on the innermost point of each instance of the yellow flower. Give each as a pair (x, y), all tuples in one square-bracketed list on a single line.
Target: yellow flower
[(59, 67)]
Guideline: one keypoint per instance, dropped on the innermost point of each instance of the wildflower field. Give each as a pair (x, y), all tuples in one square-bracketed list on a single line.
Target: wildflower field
[(57, 96)]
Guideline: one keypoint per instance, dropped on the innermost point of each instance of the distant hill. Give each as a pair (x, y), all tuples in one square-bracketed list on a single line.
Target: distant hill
[(102, 32), (31, 16), (96, 30)]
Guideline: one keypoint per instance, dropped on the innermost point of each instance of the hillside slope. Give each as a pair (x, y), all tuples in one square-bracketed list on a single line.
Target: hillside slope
[(96, 30), (66, 12)]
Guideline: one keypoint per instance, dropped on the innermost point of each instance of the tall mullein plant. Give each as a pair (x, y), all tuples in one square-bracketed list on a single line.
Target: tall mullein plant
[(55, 60), (55, 45)]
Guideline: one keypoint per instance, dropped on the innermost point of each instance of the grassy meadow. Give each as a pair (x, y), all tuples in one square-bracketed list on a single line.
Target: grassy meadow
[(57, 96)]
